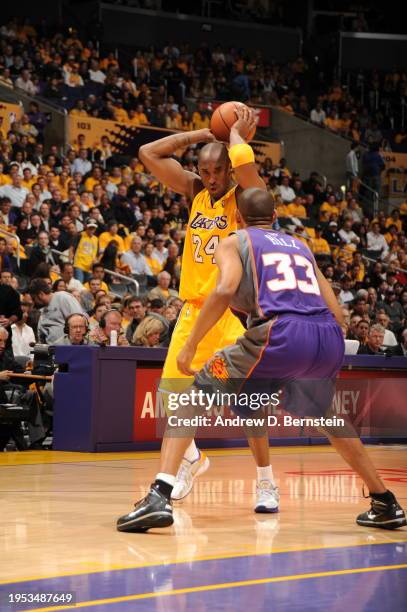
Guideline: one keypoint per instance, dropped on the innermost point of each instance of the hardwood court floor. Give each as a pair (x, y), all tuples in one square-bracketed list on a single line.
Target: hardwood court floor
[(58, 533)]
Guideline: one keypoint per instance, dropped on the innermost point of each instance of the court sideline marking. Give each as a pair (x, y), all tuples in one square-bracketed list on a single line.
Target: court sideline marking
[(224, 585), (66, 457), (203, 558)]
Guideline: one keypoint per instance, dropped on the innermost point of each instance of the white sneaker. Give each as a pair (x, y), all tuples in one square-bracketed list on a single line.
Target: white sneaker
[(267, 498), (186, 475)]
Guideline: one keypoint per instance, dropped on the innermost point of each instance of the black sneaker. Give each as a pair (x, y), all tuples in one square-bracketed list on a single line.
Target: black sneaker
[(382, 515), (154, 510)]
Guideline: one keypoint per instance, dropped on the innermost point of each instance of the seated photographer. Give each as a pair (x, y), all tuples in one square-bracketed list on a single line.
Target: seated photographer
[(75, 331), (111, 321)]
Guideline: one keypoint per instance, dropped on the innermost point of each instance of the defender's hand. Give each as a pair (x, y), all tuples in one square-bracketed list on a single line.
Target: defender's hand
[(245, 122), (184, 360)]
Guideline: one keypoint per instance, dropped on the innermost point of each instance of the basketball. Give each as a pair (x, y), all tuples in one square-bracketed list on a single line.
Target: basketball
[(222, 120)]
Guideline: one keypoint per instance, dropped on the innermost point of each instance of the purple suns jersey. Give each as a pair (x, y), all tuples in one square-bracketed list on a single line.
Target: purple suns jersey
[(278, 276)]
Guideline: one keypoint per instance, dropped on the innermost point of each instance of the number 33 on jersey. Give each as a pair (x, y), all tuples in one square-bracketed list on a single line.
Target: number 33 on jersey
[(208, 224)]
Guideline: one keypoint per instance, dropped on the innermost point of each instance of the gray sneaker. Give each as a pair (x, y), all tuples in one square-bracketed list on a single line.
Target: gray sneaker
[(267, 497)]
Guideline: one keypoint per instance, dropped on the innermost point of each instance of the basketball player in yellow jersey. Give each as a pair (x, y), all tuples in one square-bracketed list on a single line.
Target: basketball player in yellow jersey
[(212, 218)]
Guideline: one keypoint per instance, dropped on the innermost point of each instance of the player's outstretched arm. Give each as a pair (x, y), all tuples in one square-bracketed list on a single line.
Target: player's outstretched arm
[(329, 296), (230, 274), (156, 157), (241, 154)]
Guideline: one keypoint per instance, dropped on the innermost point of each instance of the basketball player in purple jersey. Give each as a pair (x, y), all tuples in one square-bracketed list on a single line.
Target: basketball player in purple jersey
[(293, 339)]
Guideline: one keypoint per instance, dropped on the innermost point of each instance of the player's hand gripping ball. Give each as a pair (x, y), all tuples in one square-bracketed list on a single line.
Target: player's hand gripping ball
[(236, 115)]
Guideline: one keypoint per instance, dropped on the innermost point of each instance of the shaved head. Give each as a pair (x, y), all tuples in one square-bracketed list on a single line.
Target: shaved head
[(214, 169), (256, 206), (214, 152)]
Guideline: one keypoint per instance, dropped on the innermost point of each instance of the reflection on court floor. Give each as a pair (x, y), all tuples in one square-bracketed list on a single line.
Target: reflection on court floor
[(59, 512)]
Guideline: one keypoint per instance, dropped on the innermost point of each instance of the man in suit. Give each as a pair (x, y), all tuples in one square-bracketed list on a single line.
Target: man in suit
[(374, 342)]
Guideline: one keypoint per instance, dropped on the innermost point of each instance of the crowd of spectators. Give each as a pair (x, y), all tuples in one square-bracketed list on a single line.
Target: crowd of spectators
[(86, 232), (151, 86), (89, 224), (81, 228)]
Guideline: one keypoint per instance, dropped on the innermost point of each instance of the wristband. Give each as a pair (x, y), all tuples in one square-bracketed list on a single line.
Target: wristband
[(240, 154)]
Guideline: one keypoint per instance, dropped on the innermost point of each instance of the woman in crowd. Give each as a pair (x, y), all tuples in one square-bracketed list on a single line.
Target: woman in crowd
[(148, 332)]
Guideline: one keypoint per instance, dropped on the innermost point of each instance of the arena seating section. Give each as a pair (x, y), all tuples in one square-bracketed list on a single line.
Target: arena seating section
[(145, 88)]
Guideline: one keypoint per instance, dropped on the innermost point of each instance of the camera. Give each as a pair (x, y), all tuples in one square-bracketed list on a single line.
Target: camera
[(43, 360)]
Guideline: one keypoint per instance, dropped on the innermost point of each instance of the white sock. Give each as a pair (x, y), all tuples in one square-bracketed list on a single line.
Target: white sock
[(168, 478), (265, 473), (192, 452)]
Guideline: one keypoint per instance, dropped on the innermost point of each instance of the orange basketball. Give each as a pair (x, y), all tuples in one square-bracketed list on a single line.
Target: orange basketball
[(222, 120)]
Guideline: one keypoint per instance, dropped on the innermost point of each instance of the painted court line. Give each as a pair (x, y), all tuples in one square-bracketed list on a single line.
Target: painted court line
[(227, 585), (220, 556)]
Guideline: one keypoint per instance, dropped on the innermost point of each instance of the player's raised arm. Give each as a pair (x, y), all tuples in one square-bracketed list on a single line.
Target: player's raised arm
[(156, 156), (241, 154), (329, 296), (230, 274)]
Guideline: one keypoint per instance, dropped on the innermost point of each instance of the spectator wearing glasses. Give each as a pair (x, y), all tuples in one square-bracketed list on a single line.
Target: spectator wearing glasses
[(75, 331), (111, 321), (137, 310)]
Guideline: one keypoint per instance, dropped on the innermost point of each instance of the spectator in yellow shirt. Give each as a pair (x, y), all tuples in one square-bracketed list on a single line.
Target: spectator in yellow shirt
[(28, 179), (120, 114), (133, 118), (98, 272), (281, 209), (297, 209), (328, 208), (111, 234), (86, 252), (5, 179), (154, 264), (94, 179), (394, 219), (403, 209), (173, 120), (318, 244), (186, 122), (391, 234), (115, 176), (200, 119), (79, 144), (141, 116), (332, 122), (79, 109)]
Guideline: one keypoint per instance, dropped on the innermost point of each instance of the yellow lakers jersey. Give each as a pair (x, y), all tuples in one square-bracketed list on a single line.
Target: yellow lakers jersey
[(208, 224)]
